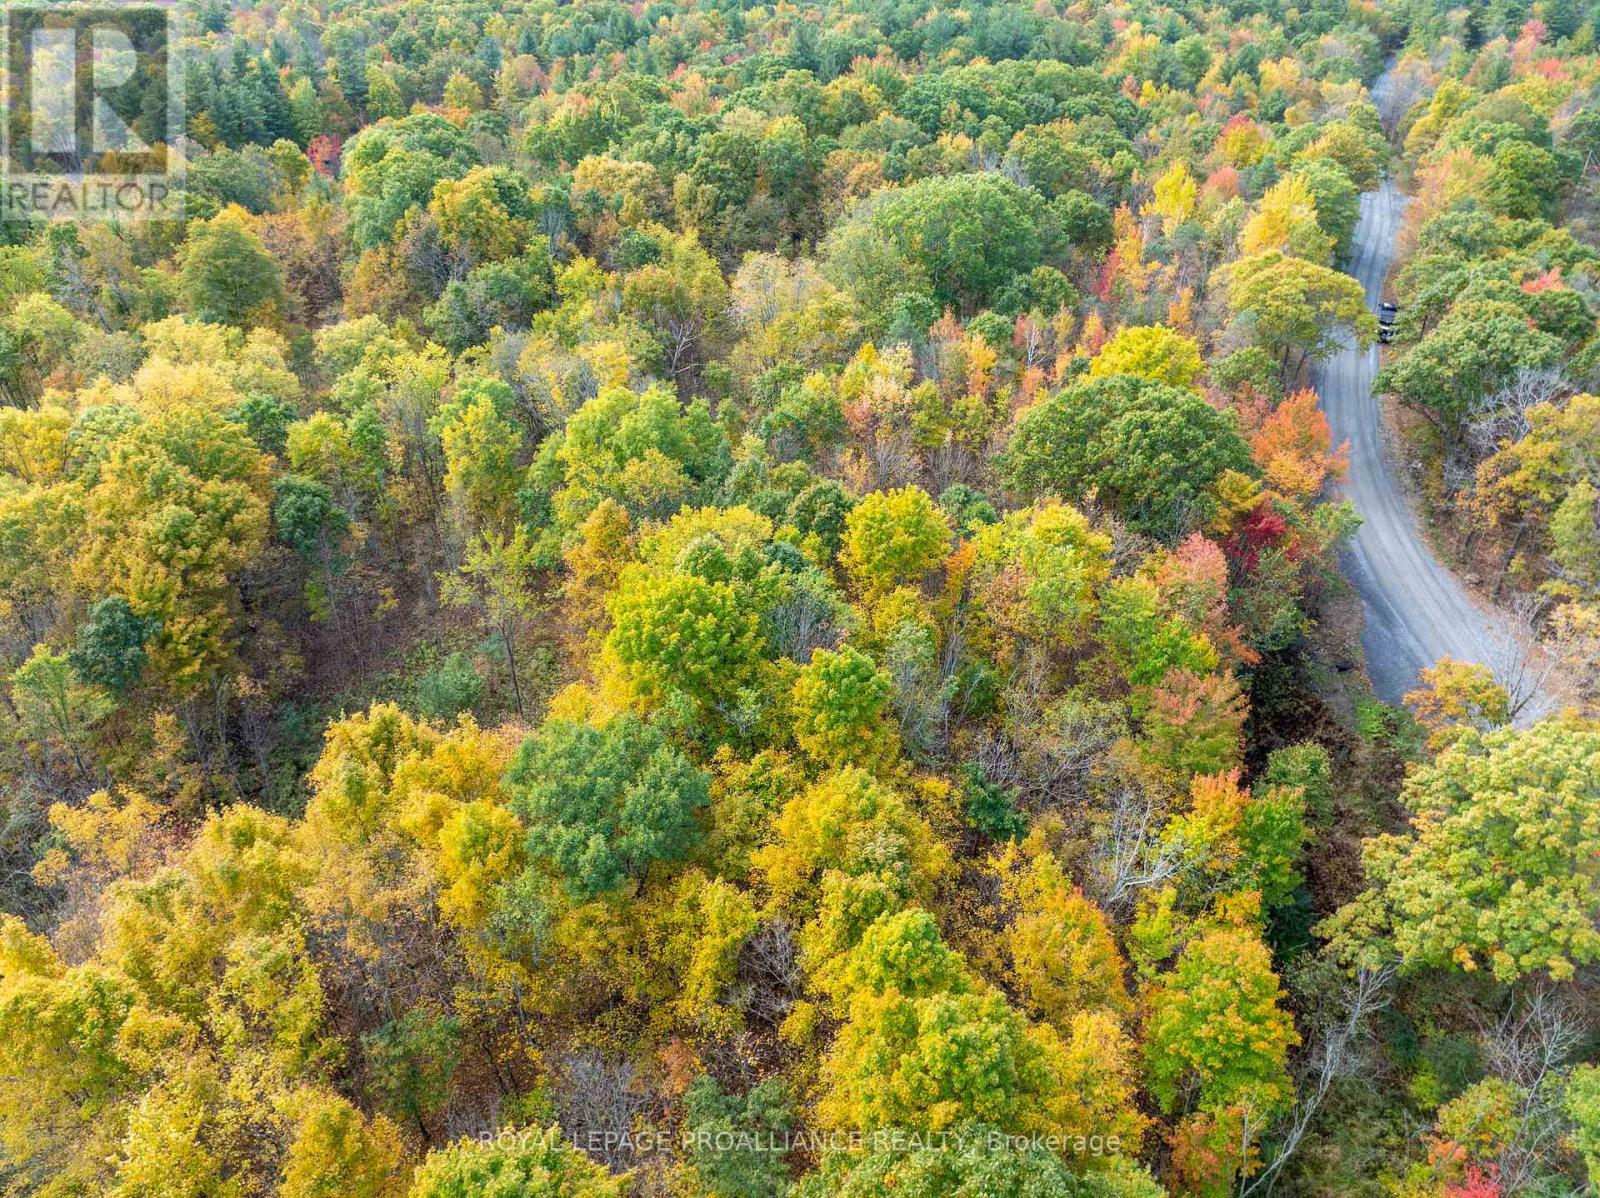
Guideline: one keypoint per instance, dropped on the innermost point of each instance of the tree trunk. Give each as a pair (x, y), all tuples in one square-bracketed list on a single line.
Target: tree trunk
[(511, 660), (1505, 562)]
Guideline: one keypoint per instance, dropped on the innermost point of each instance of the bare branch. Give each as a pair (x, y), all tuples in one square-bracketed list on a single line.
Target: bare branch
[(1528, 1046), (1335, 1055), (1134, 854)]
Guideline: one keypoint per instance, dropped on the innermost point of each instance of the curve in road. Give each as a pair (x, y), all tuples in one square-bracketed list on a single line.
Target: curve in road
[(1416, 611)]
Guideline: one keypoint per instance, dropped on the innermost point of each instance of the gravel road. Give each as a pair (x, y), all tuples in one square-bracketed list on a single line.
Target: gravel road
[(1416, 611)]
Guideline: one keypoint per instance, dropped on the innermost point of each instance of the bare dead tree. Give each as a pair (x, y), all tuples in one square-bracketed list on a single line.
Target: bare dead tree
[(1134, 854), (1027, 689), (1459, 474), (947, 462), (1519, 662), (1404, 84), (1533, 1038), (1528, 1046), (1502, 417), (598, 1101), (951, 695), (802, 623), (1068, 748), (1336, 1054), (921, 702), (892, 454), (997, 759), (769, 972)]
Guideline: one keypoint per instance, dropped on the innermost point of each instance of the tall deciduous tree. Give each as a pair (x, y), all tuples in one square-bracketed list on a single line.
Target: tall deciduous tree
[(683, 634), (1497, 871), (1286, 221), (1296, 310), (963, 237), (226, 276), (481, 444), (1151, 451), (1473, 351), (1217, 1035), (494, 579), (1152, 352), (603, 804), (893, 538), (528, 1161), (840, 700), (683, 297)]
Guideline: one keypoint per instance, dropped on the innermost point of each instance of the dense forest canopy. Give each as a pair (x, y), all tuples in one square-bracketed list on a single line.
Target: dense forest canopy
[(724, 601)]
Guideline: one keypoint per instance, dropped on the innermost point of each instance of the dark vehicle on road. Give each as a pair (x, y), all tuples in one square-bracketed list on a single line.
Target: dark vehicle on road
[(1386, 316)]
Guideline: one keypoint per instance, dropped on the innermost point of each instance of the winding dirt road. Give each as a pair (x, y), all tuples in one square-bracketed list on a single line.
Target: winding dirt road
[(1416, 610)]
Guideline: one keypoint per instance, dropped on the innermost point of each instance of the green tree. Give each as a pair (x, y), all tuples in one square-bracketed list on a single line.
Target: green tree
[(481, 446), (522, 1163), (1037, 571), (394, 166), (893, 538), (925, 1047), (642, 449), (1084, 222), (308, 520), (1575, 534), (1272, 834), (1305, 767), (1338, 201), (505, 294), (445, 692), (977, 1161), (1472, 352), (682, 296), (1296, 310), (311, 524), (1147, 642), (111, 645), (964, 236), (603, 804), (383, 94), (412, 1060), (1217, 1035), (1526, 183), (493, 579), (839, 702), (268, 419), (1497, 870), (676, 633), (821, 510), (1582, 1102), (54, 707), (226, 276), (1152, 452), (754, 1123)]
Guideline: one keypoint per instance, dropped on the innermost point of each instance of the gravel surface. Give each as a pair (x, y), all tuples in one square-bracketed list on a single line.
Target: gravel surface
[(1416, 611)]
